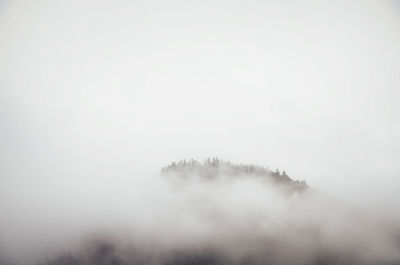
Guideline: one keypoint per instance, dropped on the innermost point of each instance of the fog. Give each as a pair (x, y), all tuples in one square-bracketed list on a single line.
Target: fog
[(96, 97), (170, 219)]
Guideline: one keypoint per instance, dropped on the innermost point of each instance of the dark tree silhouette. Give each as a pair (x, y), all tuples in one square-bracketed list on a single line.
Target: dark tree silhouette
[(211, 168)]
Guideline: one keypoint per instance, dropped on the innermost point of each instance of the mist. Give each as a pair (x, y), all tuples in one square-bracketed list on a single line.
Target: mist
[(96, 97), (171, 219)]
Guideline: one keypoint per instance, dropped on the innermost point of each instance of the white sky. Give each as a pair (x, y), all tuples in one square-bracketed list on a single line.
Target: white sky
[(95, 90)]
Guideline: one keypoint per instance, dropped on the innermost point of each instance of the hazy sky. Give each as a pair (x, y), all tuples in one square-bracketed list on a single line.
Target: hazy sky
[(93, 91)]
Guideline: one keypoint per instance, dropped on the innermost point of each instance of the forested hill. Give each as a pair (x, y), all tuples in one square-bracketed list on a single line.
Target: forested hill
[(211, 168)]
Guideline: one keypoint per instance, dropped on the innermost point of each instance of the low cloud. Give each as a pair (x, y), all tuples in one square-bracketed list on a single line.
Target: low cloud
[(183, 217)]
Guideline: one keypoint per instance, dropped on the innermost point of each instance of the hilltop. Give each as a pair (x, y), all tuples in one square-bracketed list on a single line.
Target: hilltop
[(212, 168)]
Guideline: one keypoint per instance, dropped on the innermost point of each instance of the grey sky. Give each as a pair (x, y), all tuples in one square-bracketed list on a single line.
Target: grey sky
[(92, 91)]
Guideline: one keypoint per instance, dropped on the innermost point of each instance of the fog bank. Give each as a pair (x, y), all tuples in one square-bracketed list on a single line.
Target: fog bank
[(245, 218)]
